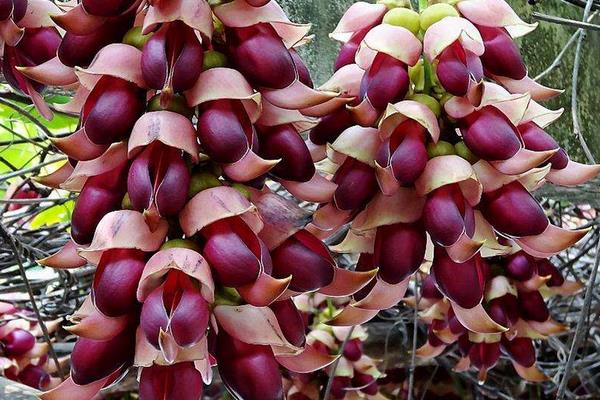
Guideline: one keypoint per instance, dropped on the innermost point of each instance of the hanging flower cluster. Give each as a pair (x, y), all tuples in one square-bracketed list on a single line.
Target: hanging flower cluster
[(23, 354), (185, 108), (436, 145), (356, 374)]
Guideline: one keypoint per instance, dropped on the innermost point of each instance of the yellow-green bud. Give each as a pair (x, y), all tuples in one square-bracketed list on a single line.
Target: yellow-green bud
[(435, 13), (135, 38), (226, 296), (202, 180), (464, 152), (403, 17), (441, 148), (213, 59), (177, 104), (394, 3), (429, 101), (417, 75), (126, 202), (181, 244)]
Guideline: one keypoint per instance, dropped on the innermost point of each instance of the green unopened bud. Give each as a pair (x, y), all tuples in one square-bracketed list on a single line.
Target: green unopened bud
[(126, 202), (213, 59), (429, 101), (441, 148), (181, 244), (202, 180), (435, 13), (464, 152), (403, 17), (226, 296), (417, 75), (135, 38), (243, 189), (177, 104), (390, 4)]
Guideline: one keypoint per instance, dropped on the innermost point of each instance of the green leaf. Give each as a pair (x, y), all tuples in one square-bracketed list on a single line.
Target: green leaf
[(57, 214)]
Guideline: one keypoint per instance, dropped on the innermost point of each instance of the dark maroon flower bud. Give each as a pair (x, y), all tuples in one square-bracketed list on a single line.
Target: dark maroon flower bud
[(303, 72), (405, 152), (261, 56), (546, 268), (347, 53), (116, 280), (386, 81), (249, 371), (290, 321), (158, 181), (234, 252), (447, 215), (14, 8), (80, 50), (18, 342), (306, 259), (366, 382), (176, 306), (489, 134), (353, 350), (171, 58), (106, 8), (433, 339), (399, 251), (339, 386), (464, 344), (93, 360), (225, 130), (512, 210), (283, 142), (535, 138), (504, 310), (462, 283), (502, 56), (23, 193), (520, 266), (104, 123), (484, 355), (456, 69), (429, 290), (532, 306), (331, 126), (37, 46), (455, 326), (100, 195), (181, 381), (34, 376), (520, 349), (357, 184)]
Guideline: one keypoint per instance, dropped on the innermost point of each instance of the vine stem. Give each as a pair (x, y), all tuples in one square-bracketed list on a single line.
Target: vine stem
[(335, 364)]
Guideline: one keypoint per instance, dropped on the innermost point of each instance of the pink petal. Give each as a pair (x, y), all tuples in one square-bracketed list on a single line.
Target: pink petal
[(317, 190), (77, 21), (573, 174), (527, 85), (124, 229), (273, 116), (346, 283), (464, 249), (76, 103), (78, 146), (196, 14), (359, 143), (386, 179), (397, 113), (445, 32), (383, 295), (445, 170), (540, 115), (214, 204), (326, 108), (531, 374), (38, 14), (404, 206), (10, 33), (56, 178), (92, 324), (252, 325), (484, 232), (249, 167), (356, 242), (52, 72), (364, 113), (281, 217), (568, 288), (297, 96), (115, 155), (317, 152), (345, 81), (65, 258), (495, 13), (167, 127), (329, 218), (351, 316), (459, 107), (523, 161), (384, 39), (359, 16), (225, 83), (265, 290), (70, 390), (38, 101), (309, 360), (428, 351), (118, 60), (552, 241), (477, 319), (187, 261)]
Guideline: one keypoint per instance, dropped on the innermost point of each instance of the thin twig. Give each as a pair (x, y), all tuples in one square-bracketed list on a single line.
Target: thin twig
[(335, 364), (413, 355), (565, 21)]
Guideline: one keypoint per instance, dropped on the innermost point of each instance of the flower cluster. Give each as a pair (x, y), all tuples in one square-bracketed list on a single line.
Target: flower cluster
[(185, 109), (355, 375), (436, 145), (24, 355)]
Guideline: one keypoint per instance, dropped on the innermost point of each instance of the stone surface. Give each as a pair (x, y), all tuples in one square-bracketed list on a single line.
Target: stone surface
[(540, 49)]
